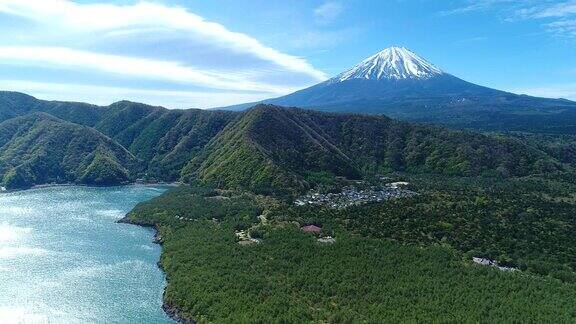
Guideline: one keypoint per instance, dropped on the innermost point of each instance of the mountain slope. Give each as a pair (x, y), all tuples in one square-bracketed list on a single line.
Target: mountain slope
[(14, 104), (163, 140), (270, 146), (38, 148), (399, 83), (265, 149)]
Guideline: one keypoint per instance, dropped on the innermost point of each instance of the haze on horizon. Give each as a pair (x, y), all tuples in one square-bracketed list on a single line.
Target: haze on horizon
[(183, 54)]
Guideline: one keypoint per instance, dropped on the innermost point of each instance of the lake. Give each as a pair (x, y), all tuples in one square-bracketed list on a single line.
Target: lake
[(64, 259)]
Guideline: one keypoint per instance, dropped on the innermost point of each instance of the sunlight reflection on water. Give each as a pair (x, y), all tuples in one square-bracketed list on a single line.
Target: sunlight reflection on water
[(64, 259)]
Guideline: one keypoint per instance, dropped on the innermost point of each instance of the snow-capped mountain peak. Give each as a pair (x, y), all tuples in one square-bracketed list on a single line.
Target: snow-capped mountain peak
[(392, 63)]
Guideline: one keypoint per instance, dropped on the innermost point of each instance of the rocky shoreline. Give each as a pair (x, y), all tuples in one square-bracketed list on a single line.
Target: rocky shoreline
[(172, 311)]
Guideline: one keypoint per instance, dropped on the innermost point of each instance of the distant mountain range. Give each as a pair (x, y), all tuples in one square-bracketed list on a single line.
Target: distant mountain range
[(398, 83), (265, 149)]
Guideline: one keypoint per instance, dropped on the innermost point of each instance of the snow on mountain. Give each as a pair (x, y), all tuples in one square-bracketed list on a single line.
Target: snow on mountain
[(392, 63)]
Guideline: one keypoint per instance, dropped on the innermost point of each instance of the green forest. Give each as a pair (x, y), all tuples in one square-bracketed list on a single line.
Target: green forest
[(267, 149), (404, 260)]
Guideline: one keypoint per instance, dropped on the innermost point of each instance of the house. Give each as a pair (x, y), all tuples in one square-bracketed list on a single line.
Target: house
[(312, 229), (327, 239), (483, 261), (400, 184), (299, 202)]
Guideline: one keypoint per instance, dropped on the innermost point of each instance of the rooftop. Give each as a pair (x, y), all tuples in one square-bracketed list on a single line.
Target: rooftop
[(312, 229)]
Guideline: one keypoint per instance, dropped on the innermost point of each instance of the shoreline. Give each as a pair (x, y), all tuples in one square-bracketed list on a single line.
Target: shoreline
[(172, 311), (80, 205), (128, 184)]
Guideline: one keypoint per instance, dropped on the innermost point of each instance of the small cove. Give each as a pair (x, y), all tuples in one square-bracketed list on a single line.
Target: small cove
[(64, 259)]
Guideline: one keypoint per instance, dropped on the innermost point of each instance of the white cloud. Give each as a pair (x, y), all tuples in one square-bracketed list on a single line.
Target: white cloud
[(560, 17), (471, 40), (557, 17), (473, 6), (104, 95), (196, 63), (558, 10), (131, 66), (328, 12), (563, 27), (107, 17), (566, 91)]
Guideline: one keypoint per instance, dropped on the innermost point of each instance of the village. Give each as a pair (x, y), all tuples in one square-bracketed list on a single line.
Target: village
[(351, 195)]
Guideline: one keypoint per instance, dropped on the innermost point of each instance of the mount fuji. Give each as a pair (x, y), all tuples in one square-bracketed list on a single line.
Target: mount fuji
[(394, 63), (399, 83)]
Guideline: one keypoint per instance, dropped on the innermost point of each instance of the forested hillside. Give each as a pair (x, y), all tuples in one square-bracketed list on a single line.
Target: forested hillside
[(39, 148), (274, 148), (14, 104), (161, 141), (266, 149), (165, 140)]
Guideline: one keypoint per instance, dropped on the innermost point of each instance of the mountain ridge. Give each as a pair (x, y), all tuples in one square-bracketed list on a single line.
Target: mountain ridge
[(398, 83), (161, 140), (285, 146), (39, 148), (268, 148)]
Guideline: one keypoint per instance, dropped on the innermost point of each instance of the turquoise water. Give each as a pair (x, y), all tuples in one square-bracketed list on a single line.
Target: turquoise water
[(63, 259)]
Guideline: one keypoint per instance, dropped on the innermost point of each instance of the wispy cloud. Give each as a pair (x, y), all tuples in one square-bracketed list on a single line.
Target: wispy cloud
[(563, 28), (547, 10), (565, 91), (471, 40), (105, 95), (473, 6), (328, 12), (130, 66), (556, 17), (100, 17), (560, 18), (147, 40)]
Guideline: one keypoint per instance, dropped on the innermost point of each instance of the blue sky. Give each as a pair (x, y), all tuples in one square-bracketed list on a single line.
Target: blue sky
[(200, 53)]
